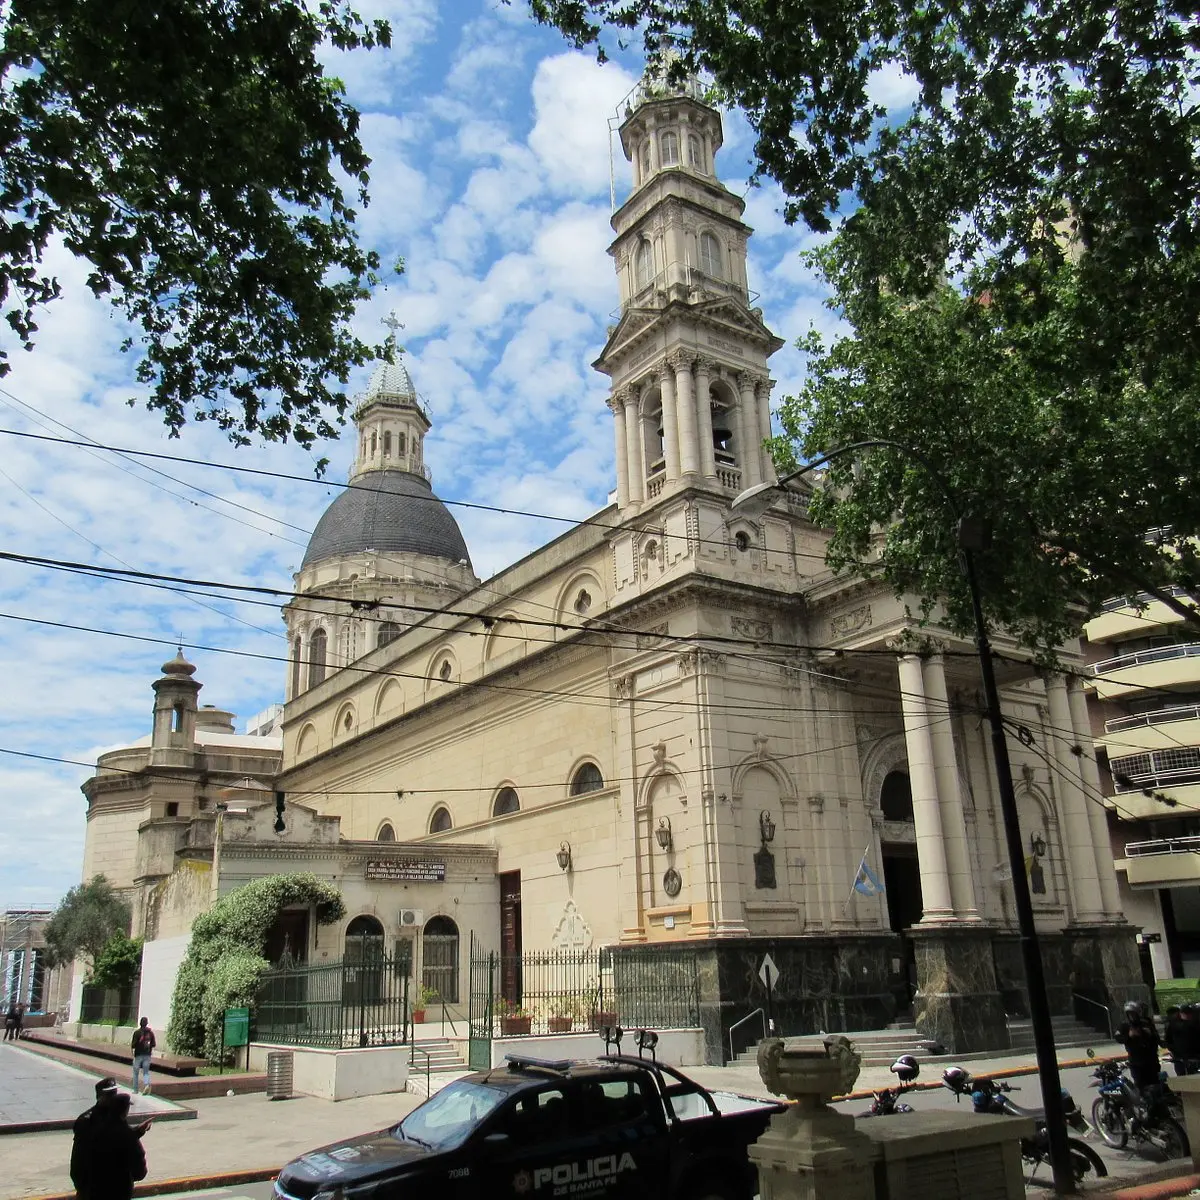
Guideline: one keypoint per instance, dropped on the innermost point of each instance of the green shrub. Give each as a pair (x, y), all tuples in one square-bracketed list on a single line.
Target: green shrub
[(224, 961)]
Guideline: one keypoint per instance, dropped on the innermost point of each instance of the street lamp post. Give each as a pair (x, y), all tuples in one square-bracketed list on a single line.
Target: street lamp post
[(972, 536)]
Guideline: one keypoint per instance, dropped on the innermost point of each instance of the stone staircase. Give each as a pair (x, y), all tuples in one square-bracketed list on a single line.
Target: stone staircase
[(881, 1047), (445, 1063)]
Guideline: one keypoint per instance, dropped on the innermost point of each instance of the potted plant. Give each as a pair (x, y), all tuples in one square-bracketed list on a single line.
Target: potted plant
[(514, 1019), (602, 1017), (562, 1015), (424, 998)]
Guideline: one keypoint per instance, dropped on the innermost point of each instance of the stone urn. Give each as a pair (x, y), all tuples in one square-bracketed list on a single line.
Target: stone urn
[(812, 1151)]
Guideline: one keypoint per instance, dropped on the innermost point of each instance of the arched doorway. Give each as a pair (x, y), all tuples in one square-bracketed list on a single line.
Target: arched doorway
[(439, 958), (363, 960), (901, 874)]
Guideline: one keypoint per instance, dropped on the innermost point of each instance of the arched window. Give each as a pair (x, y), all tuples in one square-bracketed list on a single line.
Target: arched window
[(374, 443), (669, 147), (586, 779), (695, 152), (316, 657), (710, 256), (364, 926), (297, 653), (439, 958), (507, 801), (645, 160), (643, 265), (387, 444), (402, 442), (440, 821), (364, 950), (386, 833), (895, 797), (389, 631)]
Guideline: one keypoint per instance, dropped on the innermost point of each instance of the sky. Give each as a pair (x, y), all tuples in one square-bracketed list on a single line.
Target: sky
[(491, 179)]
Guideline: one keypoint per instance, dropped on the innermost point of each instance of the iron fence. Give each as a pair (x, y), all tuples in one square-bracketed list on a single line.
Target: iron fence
[(108, 1006), (360, 1000)]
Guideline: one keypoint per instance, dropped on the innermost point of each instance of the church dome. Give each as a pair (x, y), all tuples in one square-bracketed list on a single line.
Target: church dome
[(391, 380), (393, 512)]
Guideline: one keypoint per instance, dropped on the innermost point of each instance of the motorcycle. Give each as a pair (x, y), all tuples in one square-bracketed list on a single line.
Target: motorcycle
[(886, 1102), (992, 1096), (1123, 1111)]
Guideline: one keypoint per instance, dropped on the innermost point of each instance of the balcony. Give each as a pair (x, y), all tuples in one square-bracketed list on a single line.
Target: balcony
[(1162, 667), (1164, 862), (1165, 728), (1124, 616)]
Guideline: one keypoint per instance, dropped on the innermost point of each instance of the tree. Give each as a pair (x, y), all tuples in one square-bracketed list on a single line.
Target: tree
[(87, 918), (1018, 270), (193, 153), (118, 963)]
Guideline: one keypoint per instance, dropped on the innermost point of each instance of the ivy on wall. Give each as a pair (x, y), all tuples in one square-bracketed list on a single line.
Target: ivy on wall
[(224, 960)]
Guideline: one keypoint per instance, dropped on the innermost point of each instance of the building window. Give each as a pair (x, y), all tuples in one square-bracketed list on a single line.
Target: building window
[(895, 797), (742, 540), (695, 153), (389, 631), (374, 443), (583, 601), (172, 808), (440, 821), (645, 160), (297, 653), (439, 958), (401, 441), (507, 801), (710, 256), (643, 265), (177, 719), (586, 779), (670, 149), (387, 445), (444, 671), (386, 833), (316, 657)]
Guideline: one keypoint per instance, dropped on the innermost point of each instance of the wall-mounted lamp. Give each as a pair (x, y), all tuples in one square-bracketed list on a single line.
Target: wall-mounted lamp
[(662, 834), (1037, 844), (564, 856), (766, 827)]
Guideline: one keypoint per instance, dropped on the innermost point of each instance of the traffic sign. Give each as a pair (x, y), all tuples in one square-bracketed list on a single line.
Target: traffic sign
[(768, 973)]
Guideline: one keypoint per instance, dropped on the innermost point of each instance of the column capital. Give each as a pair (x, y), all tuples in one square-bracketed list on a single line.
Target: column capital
[(681, 359), (616, 401), (705, 366)]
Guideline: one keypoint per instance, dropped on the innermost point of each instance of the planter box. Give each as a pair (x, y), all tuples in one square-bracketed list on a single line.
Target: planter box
[(559, 1024), (600, 1019), (510, 1026), (418, 1016)]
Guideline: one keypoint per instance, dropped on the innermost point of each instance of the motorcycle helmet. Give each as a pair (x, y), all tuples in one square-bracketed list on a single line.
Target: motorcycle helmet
[(1132, 1009), (957, 1080), (905, 1068)]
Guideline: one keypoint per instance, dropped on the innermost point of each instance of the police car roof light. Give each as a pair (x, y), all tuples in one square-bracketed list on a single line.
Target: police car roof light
[(523, 1062), (612, 1035), (646, 1039)]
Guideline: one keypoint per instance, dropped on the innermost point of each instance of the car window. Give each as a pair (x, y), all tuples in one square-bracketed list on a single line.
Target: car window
[(450, 1114), (535, 1117), (611, 1102)]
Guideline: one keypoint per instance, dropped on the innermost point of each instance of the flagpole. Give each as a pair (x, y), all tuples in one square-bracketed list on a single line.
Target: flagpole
[(857, 873)]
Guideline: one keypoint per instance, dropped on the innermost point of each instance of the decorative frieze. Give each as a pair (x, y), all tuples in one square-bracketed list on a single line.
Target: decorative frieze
[(845, 624)]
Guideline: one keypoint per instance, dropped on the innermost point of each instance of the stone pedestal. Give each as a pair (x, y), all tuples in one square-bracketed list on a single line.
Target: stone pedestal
[(1105, 970), (958, 1003), (1010, 973), (811, 1152)]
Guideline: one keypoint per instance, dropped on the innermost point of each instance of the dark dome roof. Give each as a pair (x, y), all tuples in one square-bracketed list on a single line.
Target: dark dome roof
[(389, 511)]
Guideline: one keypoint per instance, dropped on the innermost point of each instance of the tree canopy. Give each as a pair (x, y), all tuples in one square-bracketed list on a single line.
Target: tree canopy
[(193, 153), (87, 918), (1017, 259)]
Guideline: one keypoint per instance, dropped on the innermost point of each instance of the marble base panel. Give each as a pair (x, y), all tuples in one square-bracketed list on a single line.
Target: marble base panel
[(1010, 973), (1105, 970), (958, 1003)]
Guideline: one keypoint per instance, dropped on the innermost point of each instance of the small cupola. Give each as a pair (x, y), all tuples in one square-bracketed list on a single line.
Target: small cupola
[(174, 708), (391, 423), (668, 126)]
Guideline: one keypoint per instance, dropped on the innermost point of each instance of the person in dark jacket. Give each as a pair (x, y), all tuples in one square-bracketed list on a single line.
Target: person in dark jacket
[(114, 1157), (106, 1092), (1140, 1039), (1189, 1041), (1175, 1034), (12, 1022)]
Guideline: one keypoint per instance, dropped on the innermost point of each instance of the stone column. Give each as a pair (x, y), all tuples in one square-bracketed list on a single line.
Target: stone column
[(1078, 843), (670, 421), (689, 447), (764, 428), (708, 459), (1110, 895), (617, 404), (950, 801), (931, 850), (633, 432), (750, 455)]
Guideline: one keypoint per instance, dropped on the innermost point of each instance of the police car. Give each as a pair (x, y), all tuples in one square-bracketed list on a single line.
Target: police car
[(614, 1127)]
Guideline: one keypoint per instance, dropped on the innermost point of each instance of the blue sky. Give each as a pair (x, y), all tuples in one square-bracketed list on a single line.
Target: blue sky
[(490, 142)]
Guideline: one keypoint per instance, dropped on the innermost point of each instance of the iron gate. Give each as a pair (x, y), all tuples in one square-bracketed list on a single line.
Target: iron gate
[(481, 1003)]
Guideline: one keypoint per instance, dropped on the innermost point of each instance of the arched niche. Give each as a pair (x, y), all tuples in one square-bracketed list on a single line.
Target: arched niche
[(1045, 871), (506, 635), (345, 722), (306, 741), (581, 598), (389, 699), (442, 668)]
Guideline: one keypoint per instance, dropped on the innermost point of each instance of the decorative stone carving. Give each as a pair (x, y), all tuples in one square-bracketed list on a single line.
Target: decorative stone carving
[(760, 746), (756, 631), (652, 637), (689, 662), (623, 686), (845, 624), (572, 931), (659, 749), (672, 883), (816, 804)]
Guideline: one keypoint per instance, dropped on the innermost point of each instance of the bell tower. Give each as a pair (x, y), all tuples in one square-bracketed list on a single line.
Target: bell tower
[(688, 357)]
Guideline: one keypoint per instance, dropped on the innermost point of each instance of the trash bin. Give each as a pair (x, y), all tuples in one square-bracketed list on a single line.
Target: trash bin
[(279, 1074), (1171, 992)]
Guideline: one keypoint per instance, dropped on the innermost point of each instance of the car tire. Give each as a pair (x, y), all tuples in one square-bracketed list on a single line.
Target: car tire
[(1110, 1124)]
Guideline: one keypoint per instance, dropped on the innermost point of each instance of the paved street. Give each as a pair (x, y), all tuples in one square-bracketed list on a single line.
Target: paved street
[(37, 1090)]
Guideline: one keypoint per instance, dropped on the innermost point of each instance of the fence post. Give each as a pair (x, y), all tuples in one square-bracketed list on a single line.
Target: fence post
[(491, 992)]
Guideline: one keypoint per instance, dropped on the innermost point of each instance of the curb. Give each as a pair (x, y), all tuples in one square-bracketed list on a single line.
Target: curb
[(188, 1183), (1003, 1073), (1181, 1185), (179, 1113)]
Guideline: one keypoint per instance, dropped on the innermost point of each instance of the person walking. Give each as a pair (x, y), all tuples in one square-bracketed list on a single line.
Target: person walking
[(1140, 1039), (106, 1092), (12, 1021), (112, 1158), (142, 1045)]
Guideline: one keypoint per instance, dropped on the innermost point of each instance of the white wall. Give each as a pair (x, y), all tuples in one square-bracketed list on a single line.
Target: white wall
[(341, 1074), (676, 1047), (160, 965)]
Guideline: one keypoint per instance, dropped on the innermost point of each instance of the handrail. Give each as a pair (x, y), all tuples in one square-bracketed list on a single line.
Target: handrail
[(415, 1049), (1157, 654), (452, 1025), (1149, 849), (1157, 716), (758, 1012), (1096, 1004)]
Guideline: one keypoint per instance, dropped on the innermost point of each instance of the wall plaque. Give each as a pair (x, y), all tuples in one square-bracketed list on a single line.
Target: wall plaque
[(406, 870)]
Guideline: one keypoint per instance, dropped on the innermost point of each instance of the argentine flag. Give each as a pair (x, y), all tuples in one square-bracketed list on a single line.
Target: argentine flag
[(866, 882)]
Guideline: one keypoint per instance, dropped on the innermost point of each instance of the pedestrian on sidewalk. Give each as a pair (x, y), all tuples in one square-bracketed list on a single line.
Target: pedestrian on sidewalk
[(142, 1045), (106, 1092), (12, 1021), (1140, 1039), (112, 1158)]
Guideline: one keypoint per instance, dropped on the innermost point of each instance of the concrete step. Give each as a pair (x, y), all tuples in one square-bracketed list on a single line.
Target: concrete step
[(418, 1085)]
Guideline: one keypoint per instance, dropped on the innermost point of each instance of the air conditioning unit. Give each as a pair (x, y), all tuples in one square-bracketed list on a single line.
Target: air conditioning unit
[(412, 916)]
